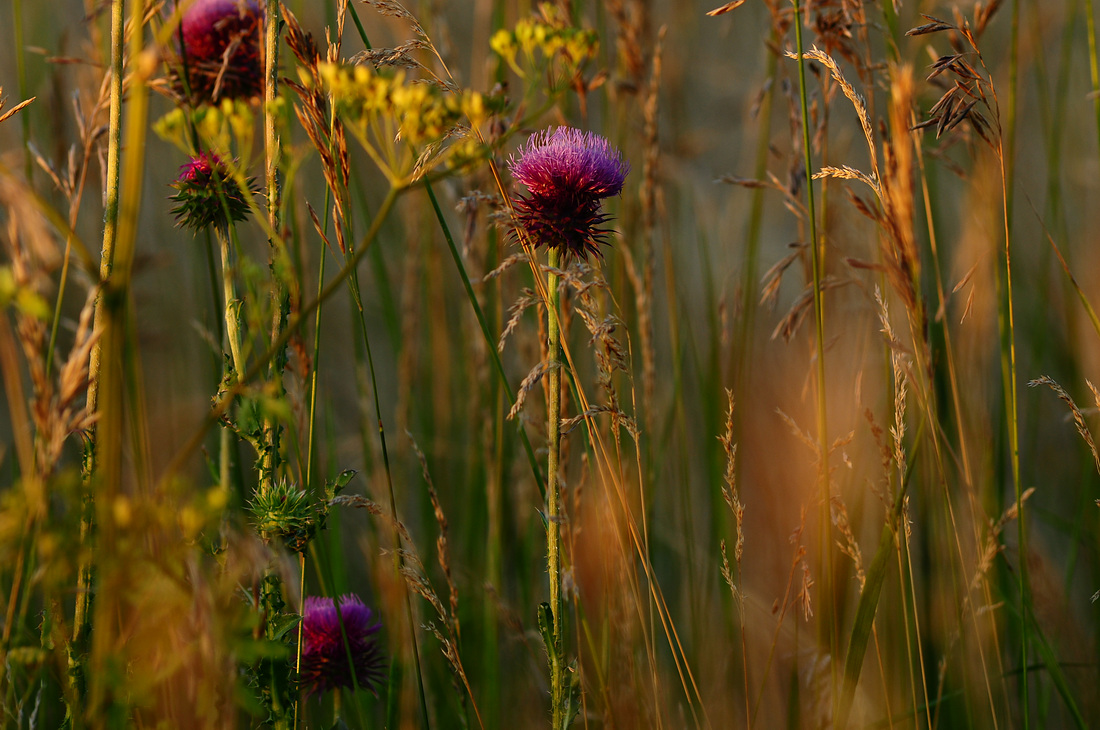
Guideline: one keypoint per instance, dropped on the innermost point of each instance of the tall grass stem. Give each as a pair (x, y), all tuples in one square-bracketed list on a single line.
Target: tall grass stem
[(828, 600)]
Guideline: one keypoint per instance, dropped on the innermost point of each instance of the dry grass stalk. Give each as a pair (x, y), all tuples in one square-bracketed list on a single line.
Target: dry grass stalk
[(313, 111), (648, 194), (401, 56), (55, 407), (899, 368), (15, 109), (729, 489), (850, 546), (528, 384), (858, 103), (609, 354), (526, 299), (802, 306), (451, 639), (1078, 417)]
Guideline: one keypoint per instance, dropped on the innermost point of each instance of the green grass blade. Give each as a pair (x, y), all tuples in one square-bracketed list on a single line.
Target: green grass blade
[(865, 615)]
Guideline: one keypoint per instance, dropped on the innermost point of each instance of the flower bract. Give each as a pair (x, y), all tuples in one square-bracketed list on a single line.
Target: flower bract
[(567, 174), (325, 655)]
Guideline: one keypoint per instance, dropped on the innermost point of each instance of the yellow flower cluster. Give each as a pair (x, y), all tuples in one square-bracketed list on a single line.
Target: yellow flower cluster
[(549, 34), (385, 110), (218, 127)]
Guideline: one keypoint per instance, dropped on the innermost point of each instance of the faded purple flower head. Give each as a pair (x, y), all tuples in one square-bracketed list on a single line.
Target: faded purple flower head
[(221, 49), (207, 194), (567, 173), (324, 654)]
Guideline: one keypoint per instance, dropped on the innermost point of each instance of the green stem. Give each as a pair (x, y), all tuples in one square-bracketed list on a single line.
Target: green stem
[(232, 340), (313, 375), (1014, 450), (21, 78), (279, 296), (276, 688), (489, 340), (293, 324), (828, 613), (112, 315), (82, 614), (553, 442), (353, 285), (1094, 64), (232, 307)]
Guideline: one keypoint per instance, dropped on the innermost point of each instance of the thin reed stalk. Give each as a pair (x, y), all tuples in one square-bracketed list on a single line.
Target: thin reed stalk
[(19, 46), (1094, 63), (828, 602), (483, 324)]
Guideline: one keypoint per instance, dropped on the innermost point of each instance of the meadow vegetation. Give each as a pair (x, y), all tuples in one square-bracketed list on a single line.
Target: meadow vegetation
[(615, 364)]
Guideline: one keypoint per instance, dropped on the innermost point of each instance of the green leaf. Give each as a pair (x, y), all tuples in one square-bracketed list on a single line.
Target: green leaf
[(250, 651), (865, 620), (337, 485), (573, 696), (546, 628), (1056, 674), (284, 624)]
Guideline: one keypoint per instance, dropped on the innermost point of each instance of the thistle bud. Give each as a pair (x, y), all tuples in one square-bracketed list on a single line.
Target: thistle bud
[(207, 194)]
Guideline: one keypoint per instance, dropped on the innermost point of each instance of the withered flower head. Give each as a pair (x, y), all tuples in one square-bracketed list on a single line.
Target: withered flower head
[(208, 194), (325, 664), (567, 173), (221, 42)]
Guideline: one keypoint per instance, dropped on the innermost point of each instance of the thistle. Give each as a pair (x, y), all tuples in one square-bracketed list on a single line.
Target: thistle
[(332, 658), (284, 513), (208, 194), (220, 49), (567, 174)]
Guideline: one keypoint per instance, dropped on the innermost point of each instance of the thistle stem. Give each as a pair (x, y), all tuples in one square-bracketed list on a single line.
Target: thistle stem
[(232, 310), (231, 372), (553, 440), (272, 152)]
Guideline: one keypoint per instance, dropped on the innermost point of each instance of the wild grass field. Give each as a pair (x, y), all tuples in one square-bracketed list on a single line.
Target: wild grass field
[(494, 364)]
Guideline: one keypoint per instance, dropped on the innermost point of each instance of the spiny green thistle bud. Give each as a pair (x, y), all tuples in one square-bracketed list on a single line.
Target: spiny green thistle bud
[(284, 512), (208, 194)]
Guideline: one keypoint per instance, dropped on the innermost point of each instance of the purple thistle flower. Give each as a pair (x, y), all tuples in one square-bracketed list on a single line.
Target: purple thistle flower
[(324, 654), (208, 194), (221, 46), (567, 173)]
